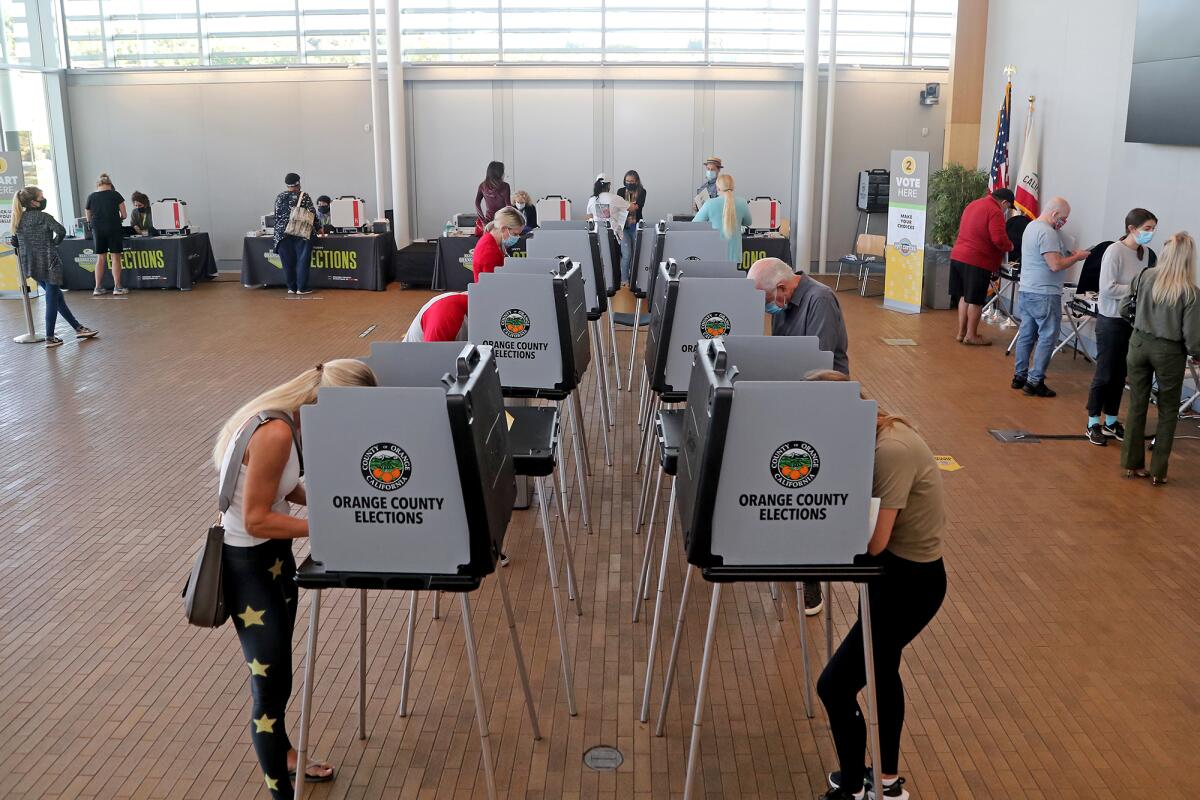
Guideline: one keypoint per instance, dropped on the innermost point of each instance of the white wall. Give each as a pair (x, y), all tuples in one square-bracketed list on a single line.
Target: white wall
[(1076, 57), (223, 140)]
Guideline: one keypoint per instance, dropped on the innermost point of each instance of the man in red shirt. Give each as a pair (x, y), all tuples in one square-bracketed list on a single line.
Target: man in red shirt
[(975, 260), (442, 319)]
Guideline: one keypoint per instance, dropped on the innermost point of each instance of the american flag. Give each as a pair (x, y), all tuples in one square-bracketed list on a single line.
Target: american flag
[(999, 173)]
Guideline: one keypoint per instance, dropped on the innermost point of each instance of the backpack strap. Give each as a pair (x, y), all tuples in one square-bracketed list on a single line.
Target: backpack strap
[(234, 467)]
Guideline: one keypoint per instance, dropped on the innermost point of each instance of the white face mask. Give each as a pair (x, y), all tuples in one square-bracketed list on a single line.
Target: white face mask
[(520, 206)]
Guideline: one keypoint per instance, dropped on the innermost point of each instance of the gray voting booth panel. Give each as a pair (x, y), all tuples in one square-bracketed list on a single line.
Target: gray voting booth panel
[(531, 266), (644, 246), (424, 494), (607, 240), (695, 268), (775, 473), (687, 311), (687, 225), (537, 324), (412, 363), (681, 246), (581, 247), (563, 225)]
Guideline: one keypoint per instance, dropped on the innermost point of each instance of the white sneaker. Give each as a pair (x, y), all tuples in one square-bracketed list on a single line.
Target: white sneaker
[(99, 291), (291, 291), (304, 291), (120, 290)]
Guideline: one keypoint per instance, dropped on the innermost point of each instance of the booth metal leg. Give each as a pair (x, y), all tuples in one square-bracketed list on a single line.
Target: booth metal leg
[(828, 622), (564, 651), (579, 431), (310, 677), (437, 605), (641, 591), (572, 588), (642, 500), (773, 588), (409, 636), (701, 692), (485, 745), (522, 673), (642, 393), (673, 660), (362, 664), (658, 604), (864, 597), (604, 401), (580, 457), (648, 433), (616, 358), (637, 313), (803, 623), (564, 501)]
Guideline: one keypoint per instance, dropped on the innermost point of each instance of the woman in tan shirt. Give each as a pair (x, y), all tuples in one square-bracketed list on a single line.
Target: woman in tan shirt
[(907, 543)]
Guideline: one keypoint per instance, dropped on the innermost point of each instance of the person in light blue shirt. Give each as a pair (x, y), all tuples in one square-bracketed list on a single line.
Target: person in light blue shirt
[(1044, 261), (727, 214)]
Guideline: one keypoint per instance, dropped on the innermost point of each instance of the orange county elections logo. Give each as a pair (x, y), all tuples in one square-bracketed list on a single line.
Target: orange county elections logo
[(386, 467), (714, 324), (514, 323), (795, 464)]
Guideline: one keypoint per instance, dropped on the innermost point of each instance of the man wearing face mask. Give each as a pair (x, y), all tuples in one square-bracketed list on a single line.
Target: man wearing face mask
[(324, 220), (1044, 262), (712, 169)]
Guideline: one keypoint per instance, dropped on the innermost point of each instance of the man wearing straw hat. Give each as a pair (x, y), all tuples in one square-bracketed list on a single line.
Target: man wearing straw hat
[(712, 168)]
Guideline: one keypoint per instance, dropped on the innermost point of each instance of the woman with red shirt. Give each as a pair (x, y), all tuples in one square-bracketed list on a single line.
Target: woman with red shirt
[(503, 231), (978, 250)]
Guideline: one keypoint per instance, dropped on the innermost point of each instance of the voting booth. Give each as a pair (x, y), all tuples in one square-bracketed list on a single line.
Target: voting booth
[(563, 225), (774, 484), (695, 268), (409, 487)]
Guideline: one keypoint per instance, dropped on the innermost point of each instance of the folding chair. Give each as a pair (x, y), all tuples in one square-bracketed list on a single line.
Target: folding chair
[(867, 255)]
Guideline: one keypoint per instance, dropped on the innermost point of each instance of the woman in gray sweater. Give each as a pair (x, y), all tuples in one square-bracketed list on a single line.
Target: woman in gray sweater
[(1166, 328), (36, 236)]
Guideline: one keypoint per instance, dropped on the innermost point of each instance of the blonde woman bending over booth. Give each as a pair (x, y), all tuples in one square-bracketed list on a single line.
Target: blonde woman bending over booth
[(502, 233), (1166, 328), (727, 214), (258, 566)]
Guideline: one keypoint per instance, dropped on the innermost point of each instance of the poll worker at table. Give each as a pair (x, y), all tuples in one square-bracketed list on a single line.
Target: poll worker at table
[(801, 306), (727, 214), (504, 231), (324, 223), (1121, 263), (1044, 262), (295, 252), (712, 170), (36, 235), (105, 211), (258, 565), (907, 543), (634, 193), (492, 195), (1166, 329), (140, 221), (442, 319), (522, 203), (975, 260)]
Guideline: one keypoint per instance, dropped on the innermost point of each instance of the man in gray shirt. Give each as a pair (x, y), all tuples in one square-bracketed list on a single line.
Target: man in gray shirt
[(801, 306), (1044, 261)]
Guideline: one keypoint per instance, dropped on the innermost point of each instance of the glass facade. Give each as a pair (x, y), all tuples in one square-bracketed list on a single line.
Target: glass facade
[(108, 34)]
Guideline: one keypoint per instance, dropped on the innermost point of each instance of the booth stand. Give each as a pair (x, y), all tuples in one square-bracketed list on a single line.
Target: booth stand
[(583, 248), (609, 250), (406, 501), (765, 496), (532, 447)]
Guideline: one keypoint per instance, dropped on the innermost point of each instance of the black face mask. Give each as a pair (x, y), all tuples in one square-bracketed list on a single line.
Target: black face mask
[(323, 209), (630, 186)]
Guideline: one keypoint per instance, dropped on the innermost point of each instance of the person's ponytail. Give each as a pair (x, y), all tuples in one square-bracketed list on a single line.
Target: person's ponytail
[(729, 220), (22, 200)]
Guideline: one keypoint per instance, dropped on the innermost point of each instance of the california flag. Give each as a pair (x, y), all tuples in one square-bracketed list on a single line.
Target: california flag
[(1029, 184)]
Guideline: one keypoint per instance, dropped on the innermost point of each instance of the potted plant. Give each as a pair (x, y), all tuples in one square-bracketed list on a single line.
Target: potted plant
[(951, 188)]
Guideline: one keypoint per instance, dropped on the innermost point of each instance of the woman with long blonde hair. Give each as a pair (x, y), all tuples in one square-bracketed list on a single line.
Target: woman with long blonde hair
[(1166, 328), (500, 234), (907, 543), (258, 565), (727, 214)]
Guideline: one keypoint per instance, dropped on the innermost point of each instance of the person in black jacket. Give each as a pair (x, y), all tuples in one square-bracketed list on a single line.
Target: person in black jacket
[(522, 203), (294, 252), (635, 193)]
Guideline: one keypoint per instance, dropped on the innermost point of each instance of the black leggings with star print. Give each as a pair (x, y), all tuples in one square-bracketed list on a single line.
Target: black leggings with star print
[(260, 593)]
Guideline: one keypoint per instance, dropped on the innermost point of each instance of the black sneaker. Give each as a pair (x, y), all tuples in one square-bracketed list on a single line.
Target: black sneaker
[(1095, 435), (1018, 382), (813, 601), (843, 794), (1039, 390), (1114, 431), (53, 341), (85, 333), (895, 789)]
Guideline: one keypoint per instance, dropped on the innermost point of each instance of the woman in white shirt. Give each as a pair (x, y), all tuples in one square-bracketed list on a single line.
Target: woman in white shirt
[(1120, 265), (604, 206), (258, 565)]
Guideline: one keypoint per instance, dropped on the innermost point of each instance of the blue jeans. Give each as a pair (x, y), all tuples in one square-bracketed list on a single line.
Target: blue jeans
[(296, 255), (1041, 322), (627, 251), (56, 304)]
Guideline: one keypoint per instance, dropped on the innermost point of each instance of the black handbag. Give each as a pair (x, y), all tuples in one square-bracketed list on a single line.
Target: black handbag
[(204, 592), (1128, 307)]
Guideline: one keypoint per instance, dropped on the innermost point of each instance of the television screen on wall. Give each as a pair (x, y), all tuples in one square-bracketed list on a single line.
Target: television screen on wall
[(1164, 88)]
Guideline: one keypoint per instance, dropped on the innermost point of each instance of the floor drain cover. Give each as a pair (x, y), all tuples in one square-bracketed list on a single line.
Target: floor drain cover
[(603, 758)]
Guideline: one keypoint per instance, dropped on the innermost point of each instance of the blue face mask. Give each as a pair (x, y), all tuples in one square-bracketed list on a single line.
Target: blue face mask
[(1144, 237), (773, 309), (512, 241), (708, 173)]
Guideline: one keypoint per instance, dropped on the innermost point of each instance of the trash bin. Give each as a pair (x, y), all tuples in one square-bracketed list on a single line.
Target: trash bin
[(936, 288)]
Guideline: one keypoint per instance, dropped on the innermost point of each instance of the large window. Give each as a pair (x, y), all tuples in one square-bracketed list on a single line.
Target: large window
[(169, 33)]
